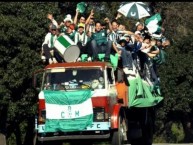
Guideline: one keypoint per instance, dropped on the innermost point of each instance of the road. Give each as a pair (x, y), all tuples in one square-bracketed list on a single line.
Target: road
[(3, 142)]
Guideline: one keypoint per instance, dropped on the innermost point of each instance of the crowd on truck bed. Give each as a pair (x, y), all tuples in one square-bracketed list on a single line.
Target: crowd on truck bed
[(135, 48)]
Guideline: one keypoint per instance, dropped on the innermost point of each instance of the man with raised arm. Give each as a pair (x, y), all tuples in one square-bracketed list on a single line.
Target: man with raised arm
[(99, 41)]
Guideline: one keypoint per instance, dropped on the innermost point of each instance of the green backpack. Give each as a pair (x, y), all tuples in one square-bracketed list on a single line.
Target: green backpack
[(160, 58)]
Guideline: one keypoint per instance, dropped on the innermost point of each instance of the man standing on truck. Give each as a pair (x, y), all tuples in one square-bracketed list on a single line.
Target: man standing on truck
[(100, 43)]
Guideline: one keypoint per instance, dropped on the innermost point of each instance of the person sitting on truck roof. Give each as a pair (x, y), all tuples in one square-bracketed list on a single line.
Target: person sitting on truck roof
[(99, 42), (142, 29), (65, 24), (70, 32), (81, 39), (90, 24), (82, 19), (116, 34), (48, 48), (51, 18)]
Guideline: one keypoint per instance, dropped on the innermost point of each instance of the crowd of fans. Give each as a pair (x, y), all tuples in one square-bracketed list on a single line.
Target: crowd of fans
[(136, 49)]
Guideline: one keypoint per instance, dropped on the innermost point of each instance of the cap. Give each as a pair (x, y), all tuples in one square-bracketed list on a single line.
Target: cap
[(122, 39), (138, 32), (53, 26), (138, 24), (126, 35), (68, 18), (81, 25)]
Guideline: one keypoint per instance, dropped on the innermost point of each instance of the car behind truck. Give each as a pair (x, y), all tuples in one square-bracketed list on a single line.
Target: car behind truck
[(89, 101)]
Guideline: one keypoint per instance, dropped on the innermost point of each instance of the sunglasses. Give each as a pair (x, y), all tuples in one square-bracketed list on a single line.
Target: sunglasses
[(53, 29)]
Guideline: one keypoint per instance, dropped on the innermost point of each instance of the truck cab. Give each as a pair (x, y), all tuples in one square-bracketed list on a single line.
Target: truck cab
[(78, 101)]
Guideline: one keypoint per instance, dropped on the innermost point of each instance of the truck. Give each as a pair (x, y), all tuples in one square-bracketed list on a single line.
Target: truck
[(86, 102)]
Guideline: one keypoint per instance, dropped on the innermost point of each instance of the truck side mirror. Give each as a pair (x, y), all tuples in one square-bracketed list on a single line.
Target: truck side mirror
[(37, 81)]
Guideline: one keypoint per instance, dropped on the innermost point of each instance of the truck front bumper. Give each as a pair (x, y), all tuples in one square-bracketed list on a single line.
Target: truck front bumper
[(73, 137)]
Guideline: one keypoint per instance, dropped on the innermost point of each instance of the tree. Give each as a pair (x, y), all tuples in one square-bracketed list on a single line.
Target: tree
[(176, 74), (23, 28)]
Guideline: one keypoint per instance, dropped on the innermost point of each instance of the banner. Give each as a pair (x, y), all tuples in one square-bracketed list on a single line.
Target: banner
[(68, 110)]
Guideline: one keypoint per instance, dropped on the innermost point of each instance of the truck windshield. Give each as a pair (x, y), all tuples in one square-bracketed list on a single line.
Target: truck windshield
[(74, 78)]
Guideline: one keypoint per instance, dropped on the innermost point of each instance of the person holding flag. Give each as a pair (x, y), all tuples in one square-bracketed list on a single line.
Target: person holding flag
[(153, 25)]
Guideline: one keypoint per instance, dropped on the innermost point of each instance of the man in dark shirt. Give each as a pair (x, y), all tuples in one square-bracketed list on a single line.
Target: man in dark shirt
[(99, 41)]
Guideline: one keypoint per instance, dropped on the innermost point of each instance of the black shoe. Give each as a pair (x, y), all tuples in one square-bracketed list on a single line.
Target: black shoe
[(106, 59)]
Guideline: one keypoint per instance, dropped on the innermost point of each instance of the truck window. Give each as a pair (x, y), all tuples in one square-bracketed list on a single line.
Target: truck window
[(74, 78)]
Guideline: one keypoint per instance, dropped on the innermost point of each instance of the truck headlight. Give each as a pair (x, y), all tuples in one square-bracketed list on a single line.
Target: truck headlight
[(42, 117), (100, 116)]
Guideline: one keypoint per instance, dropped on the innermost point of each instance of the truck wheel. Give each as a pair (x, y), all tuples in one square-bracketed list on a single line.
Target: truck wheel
[(119, 135), (35, 140), (147, 131)]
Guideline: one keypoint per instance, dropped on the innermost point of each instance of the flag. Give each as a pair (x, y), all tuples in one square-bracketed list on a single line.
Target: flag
[(68, 111), (153, 23)]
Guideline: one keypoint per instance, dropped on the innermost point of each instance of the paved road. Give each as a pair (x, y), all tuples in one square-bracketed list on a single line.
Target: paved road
[(169, 144), (3, 142), (162, 144), (155, 144), (173, 144)]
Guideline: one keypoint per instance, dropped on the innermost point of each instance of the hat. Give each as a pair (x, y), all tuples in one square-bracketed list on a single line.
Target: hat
[(53, 27), (68, 18), (122, 39), (138, 32), (81, 25), (81, 7), (126, 35), (138, 24)]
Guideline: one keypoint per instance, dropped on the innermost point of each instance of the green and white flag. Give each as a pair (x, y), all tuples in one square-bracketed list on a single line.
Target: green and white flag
[(141, 93), (68, 111), (152, 23)]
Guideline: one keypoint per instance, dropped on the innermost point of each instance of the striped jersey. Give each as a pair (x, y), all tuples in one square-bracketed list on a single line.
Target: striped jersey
[(114, 37), (83, 38)]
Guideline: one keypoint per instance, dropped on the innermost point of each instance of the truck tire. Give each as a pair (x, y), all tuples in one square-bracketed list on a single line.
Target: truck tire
[(37, 142), (119, 135), (147, 131)]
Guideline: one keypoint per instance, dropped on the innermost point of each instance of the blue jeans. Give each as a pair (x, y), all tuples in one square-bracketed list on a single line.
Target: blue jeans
[(127, 60), (104, 48)]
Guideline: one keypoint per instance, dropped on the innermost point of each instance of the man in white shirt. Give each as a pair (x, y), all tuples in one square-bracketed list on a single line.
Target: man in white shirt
[(81, 39), (48, 48)]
